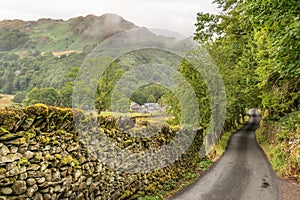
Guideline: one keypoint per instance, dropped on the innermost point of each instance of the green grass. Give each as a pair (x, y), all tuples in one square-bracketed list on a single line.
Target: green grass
[(274, 152), (155, 119), (59, 37), (172, 186), (6, 100), (205, 165), (262, 141), (117, 114), (157, 197), (222, 143), (277, 157)]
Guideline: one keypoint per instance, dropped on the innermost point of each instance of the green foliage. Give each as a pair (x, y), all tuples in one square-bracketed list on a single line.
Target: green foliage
[(254, 43), (206, 27), (278, 159), (190, 176), (256, 47), (48, 96), (157, 197), (291, 121), (7, 80), (280, 140), (23, 74), (142, 94), (205, 164), (106, 83), (170, 185), (19, 97), (12, 38), (276, 35), (151, 99), (127, 77), (65, 95)]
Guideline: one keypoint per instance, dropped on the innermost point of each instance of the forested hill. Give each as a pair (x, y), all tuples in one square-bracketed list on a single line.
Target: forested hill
[(45, 73), (59, 35)]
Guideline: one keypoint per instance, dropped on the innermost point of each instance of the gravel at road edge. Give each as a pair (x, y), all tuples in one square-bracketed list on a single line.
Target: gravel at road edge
[(289, 189)]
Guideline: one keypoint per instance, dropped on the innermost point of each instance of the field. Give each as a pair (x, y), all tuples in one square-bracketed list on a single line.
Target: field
[(6, 100), (59, 53), (155, 118)]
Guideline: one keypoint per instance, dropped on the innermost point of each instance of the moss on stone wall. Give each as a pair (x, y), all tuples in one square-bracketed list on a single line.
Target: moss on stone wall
[(42, 157)]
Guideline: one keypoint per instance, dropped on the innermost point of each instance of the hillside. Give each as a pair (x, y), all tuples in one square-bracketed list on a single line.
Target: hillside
[(59, 35), (52, 65)]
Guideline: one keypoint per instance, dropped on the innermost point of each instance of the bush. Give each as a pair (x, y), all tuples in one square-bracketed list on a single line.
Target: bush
[(19, 97)]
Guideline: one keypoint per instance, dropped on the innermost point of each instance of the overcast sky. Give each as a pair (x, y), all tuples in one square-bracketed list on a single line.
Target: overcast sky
[(175, 15)]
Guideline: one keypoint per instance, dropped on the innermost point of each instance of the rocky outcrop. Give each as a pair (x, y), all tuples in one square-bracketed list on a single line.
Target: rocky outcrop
[(42, 157)]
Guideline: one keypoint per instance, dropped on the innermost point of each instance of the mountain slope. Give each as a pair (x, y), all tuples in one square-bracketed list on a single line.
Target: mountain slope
[(59, 35), (39, 54)]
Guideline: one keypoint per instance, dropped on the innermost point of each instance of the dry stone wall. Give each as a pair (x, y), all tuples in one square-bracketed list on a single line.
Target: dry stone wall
[(42, 157)]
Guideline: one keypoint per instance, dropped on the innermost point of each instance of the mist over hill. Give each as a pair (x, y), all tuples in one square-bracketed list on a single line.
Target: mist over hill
[(59, 35), (44, 56)]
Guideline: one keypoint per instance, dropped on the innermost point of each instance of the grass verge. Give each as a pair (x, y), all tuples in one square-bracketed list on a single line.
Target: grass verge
[(274, 154), (280, 140), (173, 187), (6, 100), (221, 146)]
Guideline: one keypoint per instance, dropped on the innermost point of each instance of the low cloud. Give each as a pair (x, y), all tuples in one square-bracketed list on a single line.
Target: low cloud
[(176, 15)]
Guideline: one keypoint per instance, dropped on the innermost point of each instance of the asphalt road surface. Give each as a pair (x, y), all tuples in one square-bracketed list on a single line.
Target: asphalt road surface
[(242, 173)]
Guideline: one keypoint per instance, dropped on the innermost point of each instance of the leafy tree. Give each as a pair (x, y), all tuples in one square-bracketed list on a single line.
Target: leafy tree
[(48, 96), (8, 78), (276, 34), (65, 95), (254, 45), (12, 38), (151, 99), (105, 87), (19, 97), (142, 94), (138, 97), (228, 38)]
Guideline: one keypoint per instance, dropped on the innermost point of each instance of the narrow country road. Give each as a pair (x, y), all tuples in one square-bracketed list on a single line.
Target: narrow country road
[(242, 173)]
